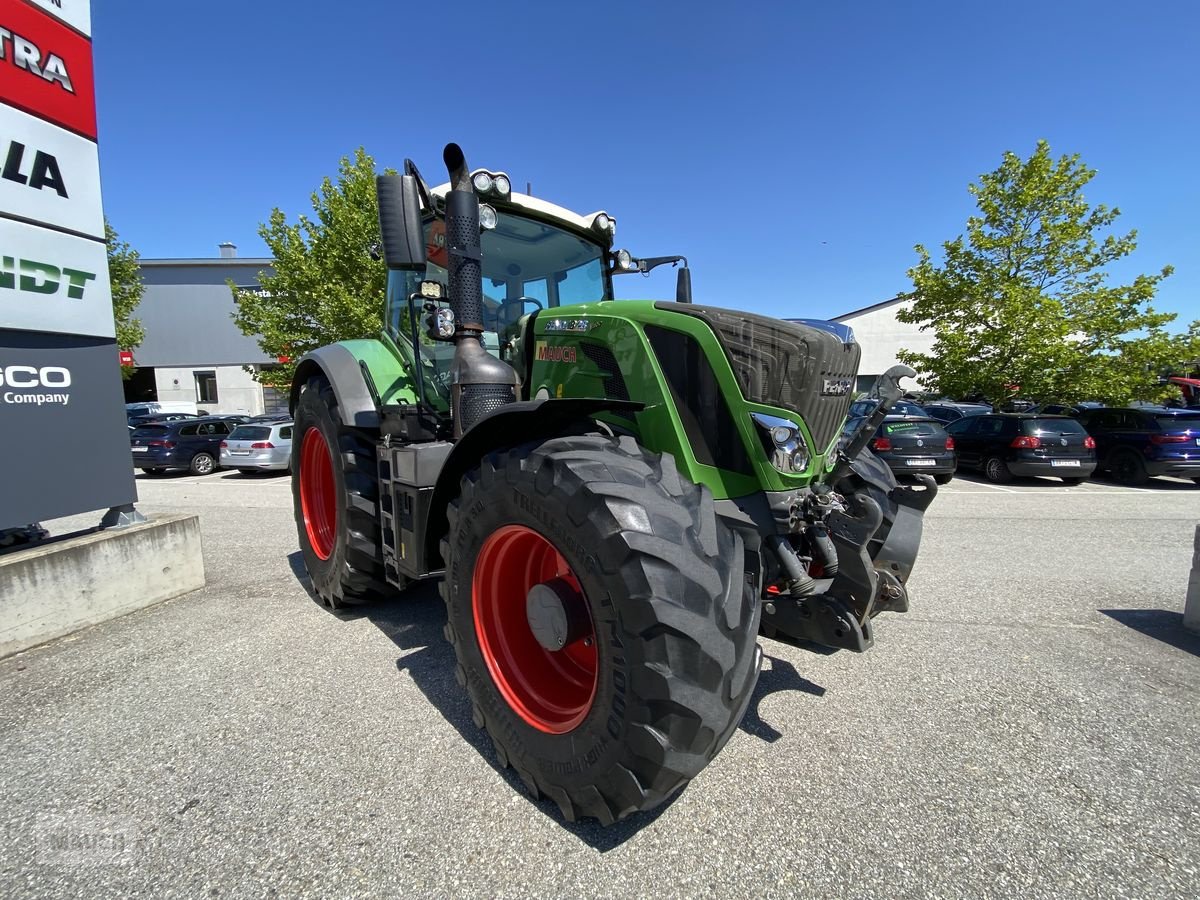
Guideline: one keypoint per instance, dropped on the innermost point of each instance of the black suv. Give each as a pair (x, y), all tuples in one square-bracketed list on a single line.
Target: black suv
[(1136, 444), (192, 444), (1002, 445)]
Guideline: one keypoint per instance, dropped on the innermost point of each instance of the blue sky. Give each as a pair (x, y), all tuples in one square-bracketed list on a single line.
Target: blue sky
[(794, 152)]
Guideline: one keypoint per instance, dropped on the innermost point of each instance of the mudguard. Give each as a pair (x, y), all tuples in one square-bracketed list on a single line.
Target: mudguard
[(350, 386), (515, 423)]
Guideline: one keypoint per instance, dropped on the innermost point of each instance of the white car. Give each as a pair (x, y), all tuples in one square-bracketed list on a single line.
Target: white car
[(258, 447)]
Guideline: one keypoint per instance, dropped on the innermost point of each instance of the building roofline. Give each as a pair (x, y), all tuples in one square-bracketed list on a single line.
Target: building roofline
[(874, 306), (209, 261)]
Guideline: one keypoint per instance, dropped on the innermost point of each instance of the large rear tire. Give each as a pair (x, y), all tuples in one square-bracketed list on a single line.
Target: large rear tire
[(335, 495), (660, 660)]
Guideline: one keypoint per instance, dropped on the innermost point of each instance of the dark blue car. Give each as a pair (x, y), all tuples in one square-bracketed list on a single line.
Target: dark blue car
[(192, 444), (1137, 444)]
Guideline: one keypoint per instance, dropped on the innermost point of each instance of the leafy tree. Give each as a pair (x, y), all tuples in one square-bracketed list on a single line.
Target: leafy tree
[(1024, 299), (125, 276), (327, 286)]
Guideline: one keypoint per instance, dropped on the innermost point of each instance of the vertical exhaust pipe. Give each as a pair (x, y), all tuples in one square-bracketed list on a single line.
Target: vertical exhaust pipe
[(480, 383)]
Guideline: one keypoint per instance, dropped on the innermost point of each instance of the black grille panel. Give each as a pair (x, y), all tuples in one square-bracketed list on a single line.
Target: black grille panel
[(785, 364), (480, 399), (603, 359)]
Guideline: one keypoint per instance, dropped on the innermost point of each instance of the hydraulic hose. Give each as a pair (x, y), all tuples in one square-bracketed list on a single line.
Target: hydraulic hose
[(823, 550)]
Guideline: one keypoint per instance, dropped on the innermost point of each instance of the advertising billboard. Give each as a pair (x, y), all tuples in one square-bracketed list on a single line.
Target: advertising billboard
[(66, 445)]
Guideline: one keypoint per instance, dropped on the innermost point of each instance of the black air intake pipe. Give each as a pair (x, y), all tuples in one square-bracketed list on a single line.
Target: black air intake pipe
[(480, 383)]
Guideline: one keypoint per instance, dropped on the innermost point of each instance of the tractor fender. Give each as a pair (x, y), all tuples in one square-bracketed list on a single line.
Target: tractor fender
[(515, 423), (345, 374)]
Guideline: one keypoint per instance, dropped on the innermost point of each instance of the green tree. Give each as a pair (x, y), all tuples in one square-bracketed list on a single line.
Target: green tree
[(327, 286), (125, 276), (1024, 299)]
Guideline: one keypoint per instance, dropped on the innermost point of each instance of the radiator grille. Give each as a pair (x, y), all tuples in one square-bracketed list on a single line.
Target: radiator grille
[(807, 370)]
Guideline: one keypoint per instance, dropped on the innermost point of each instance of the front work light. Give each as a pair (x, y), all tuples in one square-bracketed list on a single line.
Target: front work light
[(502, 185), (785, 445), (482, 182), (487, 217)]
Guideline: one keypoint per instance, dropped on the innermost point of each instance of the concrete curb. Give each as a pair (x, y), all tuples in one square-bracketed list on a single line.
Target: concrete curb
[(52, 590), (1191, 606)]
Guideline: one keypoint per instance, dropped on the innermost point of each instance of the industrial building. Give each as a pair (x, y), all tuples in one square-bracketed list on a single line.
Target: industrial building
[(192, 350), (882, 336)]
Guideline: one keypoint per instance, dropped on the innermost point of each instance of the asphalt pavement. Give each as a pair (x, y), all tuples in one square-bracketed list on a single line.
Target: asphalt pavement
[(1029, 728)]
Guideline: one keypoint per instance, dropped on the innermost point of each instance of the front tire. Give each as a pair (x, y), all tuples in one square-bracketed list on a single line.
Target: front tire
[(335, 499), (661, 660)]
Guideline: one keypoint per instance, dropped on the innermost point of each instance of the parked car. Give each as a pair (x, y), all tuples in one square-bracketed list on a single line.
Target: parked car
[(946, 411), (192, 444), (1135, 445), (861, 408), (911, 446), (160, 417), (1002, 445), (145, 408), (258, 447)]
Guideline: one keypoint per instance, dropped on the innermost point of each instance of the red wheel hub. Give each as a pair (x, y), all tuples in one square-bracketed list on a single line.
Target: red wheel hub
[(551, 690), (318, 493)]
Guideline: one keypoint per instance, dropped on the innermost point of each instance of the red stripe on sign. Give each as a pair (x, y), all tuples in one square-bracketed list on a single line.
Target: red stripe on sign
[(46, 68)]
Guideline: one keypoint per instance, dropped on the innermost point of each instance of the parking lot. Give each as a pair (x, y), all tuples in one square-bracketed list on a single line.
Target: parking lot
[(1028, 728)]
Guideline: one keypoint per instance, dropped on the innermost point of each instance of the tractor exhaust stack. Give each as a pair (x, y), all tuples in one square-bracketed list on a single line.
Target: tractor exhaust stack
[(480, 383)]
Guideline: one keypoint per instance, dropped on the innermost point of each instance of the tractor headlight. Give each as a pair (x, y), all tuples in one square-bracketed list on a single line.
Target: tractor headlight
[(783, 442), (625, 261), (502, 185), (487, 217), (605, 224), (482, 182)]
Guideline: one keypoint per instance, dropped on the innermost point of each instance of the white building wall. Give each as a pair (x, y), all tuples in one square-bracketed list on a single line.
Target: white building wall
[(237, 391), (882, 337)]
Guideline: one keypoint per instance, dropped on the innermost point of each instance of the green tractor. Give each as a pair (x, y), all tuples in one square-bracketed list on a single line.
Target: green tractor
[(618, 497)]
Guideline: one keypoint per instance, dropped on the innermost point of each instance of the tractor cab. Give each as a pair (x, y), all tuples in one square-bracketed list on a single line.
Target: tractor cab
[(536, 256)]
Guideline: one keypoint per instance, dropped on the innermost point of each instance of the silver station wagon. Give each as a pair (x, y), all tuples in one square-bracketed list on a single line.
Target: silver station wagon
[(258, 447)]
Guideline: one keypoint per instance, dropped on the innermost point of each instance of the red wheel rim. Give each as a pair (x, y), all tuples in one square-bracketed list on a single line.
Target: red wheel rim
[(318, 493), (550, 690)]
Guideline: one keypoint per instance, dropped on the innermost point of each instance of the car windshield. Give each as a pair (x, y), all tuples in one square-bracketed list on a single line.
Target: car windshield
[(250, 433), (1035, 427)]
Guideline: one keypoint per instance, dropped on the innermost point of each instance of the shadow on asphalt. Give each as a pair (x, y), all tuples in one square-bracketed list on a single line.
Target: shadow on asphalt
[(1157, 484), (1161, 624), (780, 677), (414, 623)]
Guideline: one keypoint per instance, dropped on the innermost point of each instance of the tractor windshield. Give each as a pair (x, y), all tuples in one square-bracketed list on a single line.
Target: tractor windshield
[(527, 265)]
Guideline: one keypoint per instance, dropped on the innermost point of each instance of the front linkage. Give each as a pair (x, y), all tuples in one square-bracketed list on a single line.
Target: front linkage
[(858, 531)]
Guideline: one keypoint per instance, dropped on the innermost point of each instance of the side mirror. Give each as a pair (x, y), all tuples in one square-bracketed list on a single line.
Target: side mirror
[(400, 221)]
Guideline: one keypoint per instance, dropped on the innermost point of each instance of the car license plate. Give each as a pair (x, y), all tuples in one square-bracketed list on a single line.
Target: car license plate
[(921, 462), (139, 449), (240, 452), (1069, 463)]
